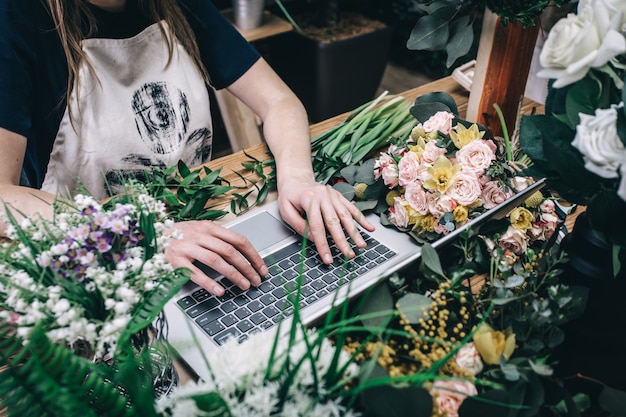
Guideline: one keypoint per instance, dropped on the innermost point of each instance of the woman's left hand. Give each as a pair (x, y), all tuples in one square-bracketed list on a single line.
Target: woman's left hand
[(316, 210)]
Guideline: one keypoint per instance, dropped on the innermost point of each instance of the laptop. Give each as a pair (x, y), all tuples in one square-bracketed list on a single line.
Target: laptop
[(198, 319)]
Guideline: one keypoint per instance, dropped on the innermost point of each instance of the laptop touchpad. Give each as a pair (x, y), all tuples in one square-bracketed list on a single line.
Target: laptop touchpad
[(263, 230)]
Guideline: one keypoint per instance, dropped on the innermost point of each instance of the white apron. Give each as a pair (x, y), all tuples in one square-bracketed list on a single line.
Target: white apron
[(137, 113)]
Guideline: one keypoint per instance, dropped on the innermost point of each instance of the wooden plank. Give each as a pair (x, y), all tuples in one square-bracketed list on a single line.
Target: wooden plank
[(272, 26)]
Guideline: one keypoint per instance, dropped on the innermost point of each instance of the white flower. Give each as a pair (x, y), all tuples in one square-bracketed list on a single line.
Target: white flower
[(469, 359), (597, 139), (440, 121), (579, 42), (465, 189)]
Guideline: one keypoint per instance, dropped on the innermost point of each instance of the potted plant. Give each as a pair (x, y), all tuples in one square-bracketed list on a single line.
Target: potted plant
[(335, 59)]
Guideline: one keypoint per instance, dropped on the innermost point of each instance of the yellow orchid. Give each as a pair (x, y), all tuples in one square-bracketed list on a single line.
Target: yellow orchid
[(461, 136), (441, 175), (492, 344)]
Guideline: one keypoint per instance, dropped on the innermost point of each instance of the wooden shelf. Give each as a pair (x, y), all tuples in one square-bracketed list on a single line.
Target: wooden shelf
[(272, 25)]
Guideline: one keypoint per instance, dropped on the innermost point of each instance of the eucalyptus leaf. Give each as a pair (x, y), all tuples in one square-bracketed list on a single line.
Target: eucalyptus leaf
[(430, 33), (345, 189), (431, 260), (541, 368), (366, 205), (349, 173), (613, 401), (461, 39), (377, 301), (414, 306), (514, 281)]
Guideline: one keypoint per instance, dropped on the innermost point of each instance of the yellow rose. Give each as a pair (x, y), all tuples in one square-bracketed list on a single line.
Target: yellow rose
[(461, 135), (521, 219), (492, 344)]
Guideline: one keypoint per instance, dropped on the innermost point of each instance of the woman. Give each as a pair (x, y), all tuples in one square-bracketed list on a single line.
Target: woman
[(91, 90)]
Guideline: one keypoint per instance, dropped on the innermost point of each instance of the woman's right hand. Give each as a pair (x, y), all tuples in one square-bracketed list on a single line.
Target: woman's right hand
[(227, 252)]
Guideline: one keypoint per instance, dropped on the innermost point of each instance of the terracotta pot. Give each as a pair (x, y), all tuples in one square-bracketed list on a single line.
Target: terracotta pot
[(502, 66)]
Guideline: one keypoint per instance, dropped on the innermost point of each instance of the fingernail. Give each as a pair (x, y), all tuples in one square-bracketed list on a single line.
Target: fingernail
[(328, 258), (265, 271), (256, 280), (217, 290), (244, 284)]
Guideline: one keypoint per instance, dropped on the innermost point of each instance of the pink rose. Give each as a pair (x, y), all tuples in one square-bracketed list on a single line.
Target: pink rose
[(440, 121), (408, 169), (439, 228), (432, 152), (450, 394), (477, 155), (492, 194), (468, 358), (441, 205), (466, 188), (386, 167), (514, 240), (417, 197), (548, 206), (398, 214)]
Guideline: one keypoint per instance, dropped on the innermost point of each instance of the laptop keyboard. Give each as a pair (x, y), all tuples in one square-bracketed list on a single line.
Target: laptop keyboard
[(239, 314)]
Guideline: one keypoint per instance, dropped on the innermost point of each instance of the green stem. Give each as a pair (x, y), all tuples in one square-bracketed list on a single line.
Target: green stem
[(505, 133)]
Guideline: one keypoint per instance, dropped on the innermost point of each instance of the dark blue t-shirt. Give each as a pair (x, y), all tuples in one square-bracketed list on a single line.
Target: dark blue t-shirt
[(33, 68)]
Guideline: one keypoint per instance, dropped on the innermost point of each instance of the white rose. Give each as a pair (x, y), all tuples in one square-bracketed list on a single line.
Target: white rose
[(615, 7), (468, 358), (580, 42), (466, 189), (598, 141)]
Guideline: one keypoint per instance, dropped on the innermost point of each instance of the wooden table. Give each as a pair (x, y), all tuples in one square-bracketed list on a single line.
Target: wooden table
[(230, 164), (241, 123)]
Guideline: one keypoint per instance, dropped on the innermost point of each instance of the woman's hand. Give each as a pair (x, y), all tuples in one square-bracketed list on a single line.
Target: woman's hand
[(225, 251), (313, 210)]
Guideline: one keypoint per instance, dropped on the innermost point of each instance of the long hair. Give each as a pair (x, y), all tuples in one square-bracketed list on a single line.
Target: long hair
[(74, 22)]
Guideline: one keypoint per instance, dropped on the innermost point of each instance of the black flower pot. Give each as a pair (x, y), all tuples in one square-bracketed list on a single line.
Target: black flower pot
[(595, 345)]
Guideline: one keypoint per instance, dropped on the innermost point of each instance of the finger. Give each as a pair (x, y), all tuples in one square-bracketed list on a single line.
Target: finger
[(203, 280), (244, 247), (316, 232), (231, 263)]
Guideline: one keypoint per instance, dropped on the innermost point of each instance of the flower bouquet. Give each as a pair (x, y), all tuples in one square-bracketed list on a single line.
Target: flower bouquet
[(79, 294), (445, 172), (579, 144)]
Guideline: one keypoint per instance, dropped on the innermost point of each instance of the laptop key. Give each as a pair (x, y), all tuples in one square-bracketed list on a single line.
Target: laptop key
[(201, 295), (266, 286), (257, 318), (213, 328), (254, 293), (229, 320), (228, 306), (267, 299), (186, 302), (226, 335), (209, 316), (241, 300), (198, 309), (242, 313), (279, 292), (270, 311), (244, 326), (266, 325), (255, 306)]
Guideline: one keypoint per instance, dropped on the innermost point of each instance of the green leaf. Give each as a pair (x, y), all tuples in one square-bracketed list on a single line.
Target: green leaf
[(388, 401), (431, 260), (613, 401), (366, 205), (461, 38), (345, 189), (377, 301), (492, 403), (431, 32), (427, 105), (414, 306), (349, 173)]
